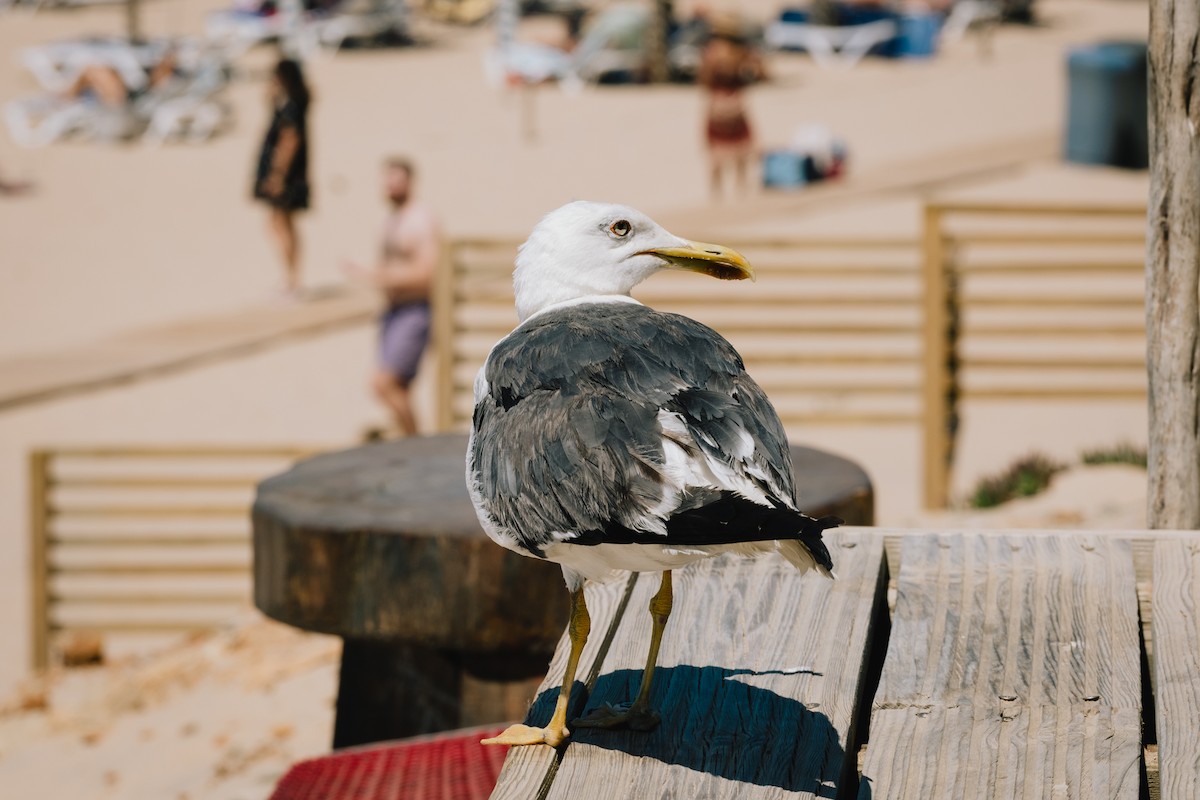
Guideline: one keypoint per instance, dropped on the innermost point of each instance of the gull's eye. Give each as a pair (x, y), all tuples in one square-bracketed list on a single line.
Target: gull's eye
[(620, 228)]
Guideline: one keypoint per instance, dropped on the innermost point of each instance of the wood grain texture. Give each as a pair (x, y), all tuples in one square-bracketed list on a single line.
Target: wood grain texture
[(758, 681), (381, 542), (1173, 266), (1012, 670), (1176, 619), (528, 769)]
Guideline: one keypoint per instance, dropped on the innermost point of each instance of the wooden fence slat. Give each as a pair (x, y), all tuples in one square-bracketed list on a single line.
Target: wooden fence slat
[(1176, 623), (758, 699), (1012, 670)]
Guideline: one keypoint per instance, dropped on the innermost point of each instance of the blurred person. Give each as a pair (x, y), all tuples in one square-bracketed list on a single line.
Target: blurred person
[(281, 180), (411, 249), (8, 187), (106, 84), (727, 66)]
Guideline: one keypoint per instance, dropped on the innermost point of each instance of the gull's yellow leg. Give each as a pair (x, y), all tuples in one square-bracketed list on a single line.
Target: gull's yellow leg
[(555, 733), (639, 716)]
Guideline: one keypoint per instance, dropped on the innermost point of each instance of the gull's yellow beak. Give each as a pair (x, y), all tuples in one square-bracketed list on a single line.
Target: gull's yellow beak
[(711, 259)]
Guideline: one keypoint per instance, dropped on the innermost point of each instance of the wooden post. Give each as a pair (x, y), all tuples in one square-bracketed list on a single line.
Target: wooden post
[(656, 42), (443, 335), (133, 26), (935, 410), (39, 573), (1173, 267)]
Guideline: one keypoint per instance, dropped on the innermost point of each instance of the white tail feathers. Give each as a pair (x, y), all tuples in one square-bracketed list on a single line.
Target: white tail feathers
[(799, 557)]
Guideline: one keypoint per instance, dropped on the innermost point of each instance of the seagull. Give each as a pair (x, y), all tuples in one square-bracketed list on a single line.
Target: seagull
[(609, 436)]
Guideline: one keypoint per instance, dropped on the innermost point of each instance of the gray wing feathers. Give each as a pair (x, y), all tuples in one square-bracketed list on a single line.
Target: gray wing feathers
[(566, 435)]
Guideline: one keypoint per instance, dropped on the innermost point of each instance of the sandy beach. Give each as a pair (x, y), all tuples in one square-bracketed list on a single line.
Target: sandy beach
[(120, 238)]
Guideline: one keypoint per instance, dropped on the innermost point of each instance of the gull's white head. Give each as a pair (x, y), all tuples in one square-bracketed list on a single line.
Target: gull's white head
[(588, 249)]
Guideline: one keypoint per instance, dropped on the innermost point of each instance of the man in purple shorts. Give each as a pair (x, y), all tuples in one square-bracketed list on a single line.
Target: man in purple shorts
[(412, 242)]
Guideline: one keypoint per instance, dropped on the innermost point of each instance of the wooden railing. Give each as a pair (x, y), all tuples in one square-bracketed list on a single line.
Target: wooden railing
[(1027, 302), (141, 540), (831, 329), (1013, 302)]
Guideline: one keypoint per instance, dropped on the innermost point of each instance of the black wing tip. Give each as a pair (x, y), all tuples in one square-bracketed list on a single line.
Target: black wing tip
[(813, 543), (815, 527)]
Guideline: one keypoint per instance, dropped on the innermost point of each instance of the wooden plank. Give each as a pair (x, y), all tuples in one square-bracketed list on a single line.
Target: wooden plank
[(186, 451), (528, 771), (1012, 670), (39, 576), (794, 296), (1176, 622), (758, 699), (1025, 238), (154, 482), (149, 541), (1041, 330), (935, 336), (132, 570), (1056, 364), (444, 341), (140, 627), (163, 512), (1041, 268), (1050, 301), (1053, 393), (1043, 209), (151, 598)]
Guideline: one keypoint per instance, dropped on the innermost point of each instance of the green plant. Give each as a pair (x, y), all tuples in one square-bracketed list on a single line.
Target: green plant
[(1122, 453), (1025, 477)]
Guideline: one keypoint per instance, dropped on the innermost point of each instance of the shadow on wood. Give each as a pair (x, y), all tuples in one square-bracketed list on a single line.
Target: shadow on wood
[(716, 721)]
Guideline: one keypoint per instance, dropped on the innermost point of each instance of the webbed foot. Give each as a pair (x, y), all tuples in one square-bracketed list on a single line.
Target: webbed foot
[(518, 735), (625, 715)]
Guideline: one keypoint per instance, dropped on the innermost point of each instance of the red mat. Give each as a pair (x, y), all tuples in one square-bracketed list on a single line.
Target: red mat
[(450, 766)]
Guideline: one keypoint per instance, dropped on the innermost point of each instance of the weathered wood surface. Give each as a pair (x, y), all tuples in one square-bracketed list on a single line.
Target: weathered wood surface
[(1012, 670), (381, 542), (1173, 266), (1177, 666), (758, 681)]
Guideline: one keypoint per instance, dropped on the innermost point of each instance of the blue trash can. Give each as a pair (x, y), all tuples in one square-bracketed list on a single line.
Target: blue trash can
[(918, 34), (784, 169), (1106, 105)]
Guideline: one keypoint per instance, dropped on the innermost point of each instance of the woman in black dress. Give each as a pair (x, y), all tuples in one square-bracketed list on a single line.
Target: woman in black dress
[(282, 177)]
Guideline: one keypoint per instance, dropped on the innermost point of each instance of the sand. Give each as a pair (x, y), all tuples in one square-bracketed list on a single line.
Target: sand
[(116, 238)]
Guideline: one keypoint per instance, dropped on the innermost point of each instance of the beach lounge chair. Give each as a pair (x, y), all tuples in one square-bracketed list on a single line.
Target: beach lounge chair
[(193, 108), (831, 46), (362, 19), (188, 105), (39, 120), (967, 13), (55, 66)]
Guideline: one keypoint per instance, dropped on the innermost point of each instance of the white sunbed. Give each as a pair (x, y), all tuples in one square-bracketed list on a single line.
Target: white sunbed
[(193, 108), (967, 13), (39, 120), (189, 106), (831, 46), (361, 19)]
